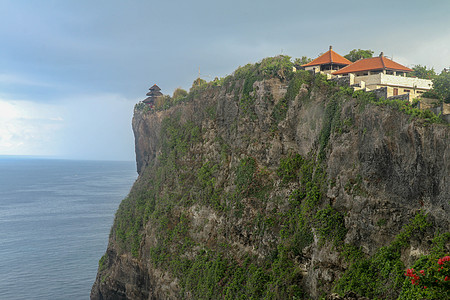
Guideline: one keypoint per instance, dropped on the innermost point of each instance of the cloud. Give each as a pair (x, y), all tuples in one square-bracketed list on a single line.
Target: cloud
[(14, 79), (69, 62), (97, 126), (27, 128), (94, 126)]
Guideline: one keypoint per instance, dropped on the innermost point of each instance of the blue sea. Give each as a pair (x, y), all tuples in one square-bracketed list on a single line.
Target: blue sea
[(55, 218)]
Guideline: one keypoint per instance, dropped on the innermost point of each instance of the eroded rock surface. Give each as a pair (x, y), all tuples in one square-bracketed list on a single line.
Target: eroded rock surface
[(381, 166)]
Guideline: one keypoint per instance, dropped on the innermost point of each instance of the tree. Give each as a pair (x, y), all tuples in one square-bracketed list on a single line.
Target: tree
[(198, 82), (441, 86), (302, 61), (355, 55), (280, 66), (422, 72), (163, 102), (179, 93)]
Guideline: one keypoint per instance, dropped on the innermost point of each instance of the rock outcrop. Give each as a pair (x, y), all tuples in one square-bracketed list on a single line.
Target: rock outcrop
[(277, 177)]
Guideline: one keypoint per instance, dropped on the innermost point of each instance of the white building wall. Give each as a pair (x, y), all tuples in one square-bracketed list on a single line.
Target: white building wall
[(408, 82), (392, 80)]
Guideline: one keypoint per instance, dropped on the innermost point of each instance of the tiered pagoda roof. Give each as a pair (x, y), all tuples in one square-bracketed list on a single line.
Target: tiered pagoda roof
[(154, 91), (153, 94)]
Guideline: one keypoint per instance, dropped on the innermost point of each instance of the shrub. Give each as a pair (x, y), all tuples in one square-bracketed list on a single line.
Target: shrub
[(197, 83), (381, 276), (289, 167), (330, 224), (299, 78), (429, 277), (331, 118), (244, 174), (179, 93), (163, 102)]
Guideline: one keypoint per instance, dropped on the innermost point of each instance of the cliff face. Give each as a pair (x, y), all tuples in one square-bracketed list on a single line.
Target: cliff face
[(278, 190)]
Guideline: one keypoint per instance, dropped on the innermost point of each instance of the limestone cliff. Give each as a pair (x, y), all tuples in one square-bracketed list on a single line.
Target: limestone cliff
[(278, 186)]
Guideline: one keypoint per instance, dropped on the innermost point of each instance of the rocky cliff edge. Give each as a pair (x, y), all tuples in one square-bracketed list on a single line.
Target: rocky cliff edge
[(279, 187)]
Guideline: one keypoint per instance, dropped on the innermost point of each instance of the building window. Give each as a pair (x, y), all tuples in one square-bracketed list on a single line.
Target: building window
[(395, 92), (406, 91)]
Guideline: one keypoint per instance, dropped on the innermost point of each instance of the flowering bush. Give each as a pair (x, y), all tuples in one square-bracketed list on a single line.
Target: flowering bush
[(434, 279), (441, 261)]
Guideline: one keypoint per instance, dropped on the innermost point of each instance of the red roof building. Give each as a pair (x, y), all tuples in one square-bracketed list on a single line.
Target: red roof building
[(381, 73), (374, 65), (328, 62)]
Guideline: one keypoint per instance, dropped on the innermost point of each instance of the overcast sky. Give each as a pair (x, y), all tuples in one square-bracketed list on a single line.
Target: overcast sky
[(71, 71)]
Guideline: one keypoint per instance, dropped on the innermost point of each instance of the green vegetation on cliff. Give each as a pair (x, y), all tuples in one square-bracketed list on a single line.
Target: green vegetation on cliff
[(229, 225), (382, 275)]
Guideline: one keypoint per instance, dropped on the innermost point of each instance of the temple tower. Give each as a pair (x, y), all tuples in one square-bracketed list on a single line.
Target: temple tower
[(152, 95)]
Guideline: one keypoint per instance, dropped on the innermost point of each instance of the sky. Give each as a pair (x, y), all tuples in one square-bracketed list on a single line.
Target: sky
[(71, 71)]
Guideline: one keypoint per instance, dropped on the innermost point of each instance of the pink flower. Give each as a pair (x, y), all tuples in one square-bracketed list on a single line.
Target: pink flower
[(422, 272)]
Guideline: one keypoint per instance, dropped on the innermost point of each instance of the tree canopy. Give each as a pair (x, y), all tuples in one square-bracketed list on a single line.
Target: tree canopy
[(179, 93), (355, 55), (197, 82), (162, 102), (441, 87), (302, 61), (422, 72)]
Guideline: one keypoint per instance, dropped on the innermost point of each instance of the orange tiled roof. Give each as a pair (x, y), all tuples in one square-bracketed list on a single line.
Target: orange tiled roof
[(328, 57), (373, 63)]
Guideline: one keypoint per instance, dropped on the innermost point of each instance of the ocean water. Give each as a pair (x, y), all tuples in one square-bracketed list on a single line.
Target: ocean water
[(55, 218)]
